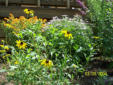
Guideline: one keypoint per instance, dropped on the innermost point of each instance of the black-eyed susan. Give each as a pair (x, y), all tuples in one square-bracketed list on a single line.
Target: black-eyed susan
[(67, 34), (26, 11), (21, 44), (46, 63)]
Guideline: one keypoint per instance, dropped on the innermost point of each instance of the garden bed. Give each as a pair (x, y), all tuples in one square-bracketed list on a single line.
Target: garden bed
[(62, 51)]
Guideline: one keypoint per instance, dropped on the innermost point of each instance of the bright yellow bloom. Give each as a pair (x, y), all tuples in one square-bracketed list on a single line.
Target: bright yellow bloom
[(31, 12), (46, 63), (2, 41), (40, 20), (2, 46), (26, 11), (43, 25), (64, 31), (7, 55), (67, 34), (44, 20), (20, 44), (6, 19), (8, 25), (22, 18), (6, 47), (96, 37), (11, 16), (16, 62), (2, 51)]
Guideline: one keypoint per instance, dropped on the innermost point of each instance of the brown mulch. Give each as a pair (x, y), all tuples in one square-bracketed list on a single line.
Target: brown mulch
[(3, 80)]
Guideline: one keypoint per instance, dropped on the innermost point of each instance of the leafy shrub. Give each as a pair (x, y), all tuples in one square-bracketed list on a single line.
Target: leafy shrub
[(101, 16), (77, 44)]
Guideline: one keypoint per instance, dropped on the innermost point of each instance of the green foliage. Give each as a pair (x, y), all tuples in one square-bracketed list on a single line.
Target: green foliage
[(65, 45), (78, 48), (101, 16)]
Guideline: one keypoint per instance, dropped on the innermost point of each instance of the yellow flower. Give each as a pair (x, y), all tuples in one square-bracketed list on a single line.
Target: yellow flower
[(64, 31), (44, 20), (11, 16), (6, 19), (31, 12), (22, 18), (67, 34), (6, 47), (2, 51), (43, 25), (2, 46), (46, 63), (16, 62), (26, 11), (8, 25), (96, 37), (20, 44), (2, 41), (7, 55), (40, 20)]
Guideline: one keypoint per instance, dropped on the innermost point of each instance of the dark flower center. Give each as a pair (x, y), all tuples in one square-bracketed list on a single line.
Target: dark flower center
[(8, 51), (21, 43), (68, 32), (47, 61)]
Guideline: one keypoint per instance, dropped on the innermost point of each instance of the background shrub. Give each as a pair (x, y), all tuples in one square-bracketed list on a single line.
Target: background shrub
[(101, 16)]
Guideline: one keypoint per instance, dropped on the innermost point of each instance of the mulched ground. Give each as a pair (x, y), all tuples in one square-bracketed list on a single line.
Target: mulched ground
[(3, 80)]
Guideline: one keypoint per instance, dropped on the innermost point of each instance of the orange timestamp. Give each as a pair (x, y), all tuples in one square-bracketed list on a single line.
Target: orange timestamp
[(88, 73)]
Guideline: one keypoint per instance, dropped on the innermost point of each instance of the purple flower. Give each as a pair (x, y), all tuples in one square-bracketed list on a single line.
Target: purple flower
[(81, 4)]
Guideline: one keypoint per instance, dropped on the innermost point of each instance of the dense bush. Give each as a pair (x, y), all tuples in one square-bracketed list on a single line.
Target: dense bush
[(101, 16), (75, 42)]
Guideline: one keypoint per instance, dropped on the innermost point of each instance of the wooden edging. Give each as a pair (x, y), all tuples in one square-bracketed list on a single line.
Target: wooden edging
[(40, 12)]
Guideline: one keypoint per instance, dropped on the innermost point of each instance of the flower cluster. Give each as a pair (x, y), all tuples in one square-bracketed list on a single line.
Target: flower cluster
[(5, 51)]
